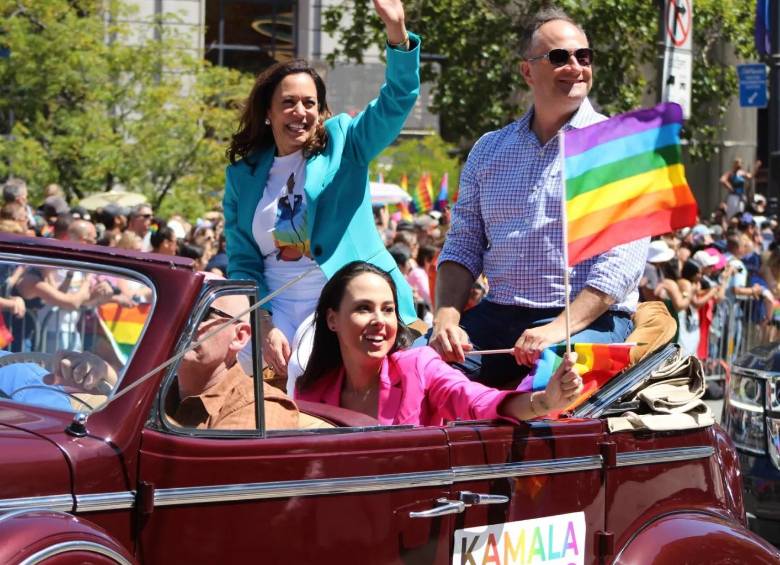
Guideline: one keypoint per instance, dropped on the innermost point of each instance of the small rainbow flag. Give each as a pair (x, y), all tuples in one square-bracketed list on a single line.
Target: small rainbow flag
[(625, 180), (596, 363), (421, 197), (443, 200), (406, 214), (123, 326)]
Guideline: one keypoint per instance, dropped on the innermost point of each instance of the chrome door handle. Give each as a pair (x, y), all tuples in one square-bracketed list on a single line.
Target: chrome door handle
[(444, 507), (474, 498)]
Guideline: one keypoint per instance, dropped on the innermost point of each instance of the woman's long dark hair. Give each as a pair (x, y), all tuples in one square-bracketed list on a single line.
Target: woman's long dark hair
[(325, 354), (253, 133)]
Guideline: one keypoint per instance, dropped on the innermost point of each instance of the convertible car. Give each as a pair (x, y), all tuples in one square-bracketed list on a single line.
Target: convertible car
[(108, 477)]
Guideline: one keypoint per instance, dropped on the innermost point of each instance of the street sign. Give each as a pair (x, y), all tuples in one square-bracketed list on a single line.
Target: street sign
[(678, 56), (678, 77), (679, 23), (752, 85)]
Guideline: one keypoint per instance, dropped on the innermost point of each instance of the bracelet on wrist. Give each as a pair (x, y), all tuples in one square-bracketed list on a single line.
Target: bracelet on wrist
[(403, 45)]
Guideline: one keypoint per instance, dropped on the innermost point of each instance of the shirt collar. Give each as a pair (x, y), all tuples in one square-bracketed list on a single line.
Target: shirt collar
[(584, 116)]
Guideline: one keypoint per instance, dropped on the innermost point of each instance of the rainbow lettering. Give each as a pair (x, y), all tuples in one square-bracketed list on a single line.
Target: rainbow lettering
[(551, 540)]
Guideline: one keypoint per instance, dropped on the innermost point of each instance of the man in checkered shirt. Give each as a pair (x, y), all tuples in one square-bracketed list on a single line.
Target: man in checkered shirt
[(507, 224)]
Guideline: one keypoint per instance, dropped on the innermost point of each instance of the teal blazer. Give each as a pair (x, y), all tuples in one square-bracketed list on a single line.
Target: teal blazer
[(339, 210)]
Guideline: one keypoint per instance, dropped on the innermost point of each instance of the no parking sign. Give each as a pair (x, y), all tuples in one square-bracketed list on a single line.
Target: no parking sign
[(678, 57)]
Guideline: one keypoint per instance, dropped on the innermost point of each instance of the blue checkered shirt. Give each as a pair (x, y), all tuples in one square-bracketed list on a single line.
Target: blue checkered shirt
[(507, 223)]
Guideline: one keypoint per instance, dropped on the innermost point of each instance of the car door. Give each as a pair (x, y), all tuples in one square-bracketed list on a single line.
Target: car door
[(534, 492), (365, 494)]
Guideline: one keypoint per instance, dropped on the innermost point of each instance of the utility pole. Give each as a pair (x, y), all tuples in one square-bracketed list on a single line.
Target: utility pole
[(773, 188)]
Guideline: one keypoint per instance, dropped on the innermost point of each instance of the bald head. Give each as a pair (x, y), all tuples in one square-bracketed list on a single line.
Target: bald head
[(233, 304), (82, 231)]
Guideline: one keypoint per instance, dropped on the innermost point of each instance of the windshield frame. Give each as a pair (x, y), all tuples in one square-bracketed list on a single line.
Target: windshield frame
[(38, 261), (210, 291)]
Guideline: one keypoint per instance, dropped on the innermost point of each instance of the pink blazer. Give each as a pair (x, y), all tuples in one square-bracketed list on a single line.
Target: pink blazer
[(417, 387)]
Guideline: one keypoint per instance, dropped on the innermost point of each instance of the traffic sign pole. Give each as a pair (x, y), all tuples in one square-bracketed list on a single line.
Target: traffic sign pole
[(774, 111)]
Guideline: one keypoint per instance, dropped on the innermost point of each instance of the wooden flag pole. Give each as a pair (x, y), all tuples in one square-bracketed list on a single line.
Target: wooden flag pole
[(566, 282)]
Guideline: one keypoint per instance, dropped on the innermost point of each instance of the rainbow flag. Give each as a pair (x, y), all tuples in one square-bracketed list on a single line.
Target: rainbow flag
[(123, 326), (443, 200), (405, 185), (596, 363), (421, 196), (625, 180), (406, 214)]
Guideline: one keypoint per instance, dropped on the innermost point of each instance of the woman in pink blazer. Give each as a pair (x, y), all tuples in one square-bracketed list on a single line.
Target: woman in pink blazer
[(359, 362)]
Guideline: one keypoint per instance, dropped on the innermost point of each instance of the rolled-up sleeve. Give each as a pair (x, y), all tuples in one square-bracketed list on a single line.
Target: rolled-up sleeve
[(617, 272), (466, 240)]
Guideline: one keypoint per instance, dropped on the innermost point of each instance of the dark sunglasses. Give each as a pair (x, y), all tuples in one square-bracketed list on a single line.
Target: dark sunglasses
[(213, 312), (560, 57)]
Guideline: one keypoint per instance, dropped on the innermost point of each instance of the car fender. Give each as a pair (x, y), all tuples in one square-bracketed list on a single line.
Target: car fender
[(29, 537), (695, 538)]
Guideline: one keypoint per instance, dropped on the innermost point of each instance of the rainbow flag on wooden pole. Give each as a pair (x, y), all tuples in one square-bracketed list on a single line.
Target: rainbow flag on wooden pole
[(623, 180)]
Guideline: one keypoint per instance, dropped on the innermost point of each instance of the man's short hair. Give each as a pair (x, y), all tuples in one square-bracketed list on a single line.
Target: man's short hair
[(12, 188), (539, 19), (137, 209)]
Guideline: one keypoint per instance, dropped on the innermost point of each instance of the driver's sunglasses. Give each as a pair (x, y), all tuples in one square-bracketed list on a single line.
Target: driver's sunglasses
[(560, 57), (214, 313)]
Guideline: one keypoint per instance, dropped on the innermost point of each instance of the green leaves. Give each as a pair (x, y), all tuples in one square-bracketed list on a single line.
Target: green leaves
[(97, 102), (479, 87)]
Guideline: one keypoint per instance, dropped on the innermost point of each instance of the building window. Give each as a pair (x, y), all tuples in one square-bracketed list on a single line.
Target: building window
[(250, 35)]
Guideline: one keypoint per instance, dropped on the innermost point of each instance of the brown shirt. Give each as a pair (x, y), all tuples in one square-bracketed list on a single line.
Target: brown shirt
[(229, 404)]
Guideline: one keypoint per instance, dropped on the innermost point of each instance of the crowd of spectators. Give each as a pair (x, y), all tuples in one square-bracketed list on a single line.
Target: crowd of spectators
[(136, 228), (718, 278)]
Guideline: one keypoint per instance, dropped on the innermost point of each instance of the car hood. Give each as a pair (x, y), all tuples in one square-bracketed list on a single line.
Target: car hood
[(30, 464)]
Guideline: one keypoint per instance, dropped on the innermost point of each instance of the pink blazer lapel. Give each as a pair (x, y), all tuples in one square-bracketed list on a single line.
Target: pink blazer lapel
[(390, 395)]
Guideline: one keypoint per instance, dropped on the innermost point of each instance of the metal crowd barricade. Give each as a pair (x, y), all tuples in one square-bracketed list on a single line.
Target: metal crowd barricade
[(737, 326), (49, 330)]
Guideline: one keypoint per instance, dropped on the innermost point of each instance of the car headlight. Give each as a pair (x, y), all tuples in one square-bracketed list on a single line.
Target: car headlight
[(773, 394), (744, 416), (746, 392), (773, 440)]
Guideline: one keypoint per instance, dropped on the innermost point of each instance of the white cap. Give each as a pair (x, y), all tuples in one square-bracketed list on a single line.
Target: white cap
[(659, 252), (177, 228), (704, 259)]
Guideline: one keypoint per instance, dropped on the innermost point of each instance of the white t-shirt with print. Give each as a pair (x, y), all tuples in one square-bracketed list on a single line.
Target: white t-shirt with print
[(281, 231)]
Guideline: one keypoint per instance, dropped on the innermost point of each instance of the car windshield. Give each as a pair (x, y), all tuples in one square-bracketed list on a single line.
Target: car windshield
[(67, 333)]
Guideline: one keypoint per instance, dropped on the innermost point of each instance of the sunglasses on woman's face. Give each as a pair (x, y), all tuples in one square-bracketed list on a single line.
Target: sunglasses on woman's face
[(560, 57)]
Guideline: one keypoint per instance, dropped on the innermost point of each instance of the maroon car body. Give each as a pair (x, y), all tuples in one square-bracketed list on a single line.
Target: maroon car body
[(123, 487)]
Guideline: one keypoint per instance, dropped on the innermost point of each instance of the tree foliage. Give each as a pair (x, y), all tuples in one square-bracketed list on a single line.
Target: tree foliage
[(97, 102), (476, 87), (413, 157)]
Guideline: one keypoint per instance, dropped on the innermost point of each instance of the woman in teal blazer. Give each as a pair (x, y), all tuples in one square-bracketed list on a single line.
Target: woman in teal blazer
[(286, 113)]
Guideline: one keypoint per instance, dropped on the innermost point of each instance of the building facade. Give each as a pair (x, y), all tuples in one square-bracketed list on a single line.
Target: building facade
[(251, 35)]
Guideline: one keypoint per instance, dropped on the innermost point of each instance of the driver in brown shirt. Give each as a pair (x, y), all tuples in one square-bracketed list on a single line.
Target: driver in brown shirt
[(211, 391)]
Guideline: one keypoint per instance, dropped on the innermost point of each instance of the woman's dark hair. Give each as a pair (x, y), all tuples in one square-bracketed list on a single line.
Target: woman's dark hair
[(253, 133), (190, 250), (162, 234), (690, 270), (425, 254), (669, 269), (325, 354)]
